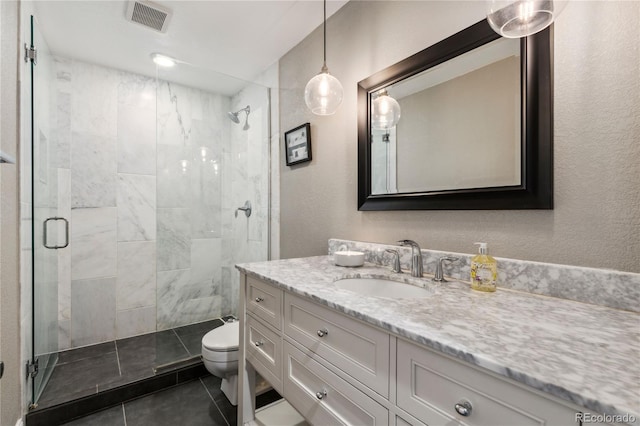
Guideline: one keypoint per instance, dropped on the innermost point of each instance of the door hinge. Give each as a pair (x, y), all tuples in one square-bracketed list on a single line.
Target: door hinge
[(30, 54), (32, 368), (1, 369)]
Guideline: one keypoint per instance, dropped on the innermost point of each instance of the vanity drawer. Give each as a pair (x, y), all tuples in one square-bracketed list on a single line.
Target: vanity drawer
[(264, 351), (359, 350), (430, 385), (265, 302), (324, 398)]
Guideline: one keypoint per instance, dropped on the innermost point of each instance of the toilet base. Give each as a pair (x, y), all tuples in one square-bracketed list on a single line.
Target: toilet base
[(229, 387)]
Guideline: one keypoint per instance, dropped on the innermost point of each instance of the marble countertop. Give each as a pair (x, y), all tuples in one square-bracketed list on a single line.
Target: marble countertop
[(585, 354)]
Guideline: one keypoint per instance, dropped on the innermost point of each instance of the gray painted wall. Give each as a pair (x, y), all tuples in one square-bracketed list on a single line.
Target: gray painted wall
[(596, 221), (10, 394)]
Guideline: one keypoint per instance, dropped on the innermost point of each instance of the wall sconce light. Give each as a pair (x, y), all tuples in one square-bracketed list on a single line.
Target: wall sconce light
[(323, 93), (385, 111), (521, 18)]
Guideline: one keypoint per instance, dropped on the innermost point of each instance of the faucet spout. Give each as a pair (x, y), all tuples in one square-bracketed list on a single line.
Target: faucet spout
[(416, 257)]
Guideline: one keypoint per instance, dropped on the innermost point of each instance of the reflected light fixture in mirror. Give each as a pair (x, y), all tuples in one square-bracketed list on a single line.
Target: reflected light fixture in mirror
[(162, 60), (323, 93), (515, 19), (385, 111)]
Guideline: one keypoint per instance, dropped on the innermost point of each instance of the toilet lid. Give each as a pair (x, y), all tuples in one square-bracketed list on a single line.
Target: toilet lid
[(223, 338)]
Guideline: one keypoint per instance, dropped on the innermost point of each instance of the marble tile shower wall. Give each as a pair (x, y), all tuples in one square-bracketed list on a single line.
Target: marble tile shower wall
[(246, 168), (192, 127), (146, 230)]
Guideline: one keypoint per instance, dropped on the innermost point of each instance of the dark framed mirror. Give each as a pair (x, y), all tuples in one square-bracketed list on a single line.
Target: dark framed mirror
[(475, 130)]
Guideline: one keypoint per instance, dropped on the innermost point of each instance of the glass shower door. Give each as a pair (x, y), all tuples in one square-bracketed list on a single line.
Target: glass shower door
[(50, 232)]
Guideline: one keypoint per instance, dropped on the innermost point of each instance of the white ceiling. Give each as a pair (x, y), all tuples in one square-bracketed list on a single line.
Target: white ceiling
[(223, 43)]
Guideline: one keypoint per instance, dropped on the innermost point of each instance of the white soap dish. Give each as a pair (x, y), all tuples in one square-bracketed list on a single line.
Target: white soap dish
[(349, 258)]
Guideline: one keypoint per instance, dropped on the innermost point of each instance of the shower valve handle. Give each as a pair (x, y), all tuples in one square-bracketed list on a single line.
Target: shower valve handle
[(246, 209)]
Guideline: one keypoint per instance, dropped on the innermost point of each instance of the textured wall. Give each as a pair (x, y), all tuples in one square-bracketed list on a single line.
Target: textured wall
[(596, 220)]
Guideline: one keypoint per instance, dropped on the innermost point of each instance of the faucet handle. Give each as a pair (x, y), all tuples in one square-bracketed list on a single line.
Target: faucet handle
[(396, 260), (439, 275)]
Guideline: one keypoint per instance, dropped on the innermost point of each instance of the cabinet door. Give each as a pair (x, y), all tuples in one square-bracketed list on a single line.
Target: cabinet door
[(264, 301), (264, 351), (324, 398), (434, 389), (358, 349)]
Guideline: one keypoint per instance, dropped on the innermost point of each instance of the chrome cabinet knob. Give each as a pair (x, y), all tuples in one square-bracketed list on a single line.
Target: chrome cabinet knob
[(321, 394), (323, 332), (464, 408), (259, 343), (259, 299)]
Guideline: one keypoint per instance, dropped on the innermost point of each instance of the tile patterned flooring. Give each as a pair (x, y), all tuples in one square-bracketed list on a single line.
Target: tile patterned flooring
[(86, 371), (196, 403)]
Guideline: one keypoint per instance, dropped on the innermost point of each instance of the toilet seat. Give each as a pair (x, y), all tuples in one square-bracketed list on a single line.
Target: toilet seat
[(221, 344), (222, 339)]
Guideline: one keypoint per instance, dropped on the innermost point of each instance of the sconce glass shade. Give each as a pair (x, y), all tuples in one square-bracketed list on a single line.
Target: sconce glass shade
[(385, 111), (323, 93), (521, 18)]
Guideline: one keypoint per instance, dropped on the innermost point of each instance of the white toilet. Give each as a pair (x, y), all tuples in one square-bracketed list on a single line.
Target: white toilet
[(220, 357)]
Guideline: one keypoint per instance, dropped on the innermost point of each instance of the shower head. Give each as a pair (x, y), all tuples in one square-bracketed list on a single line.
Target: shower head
[(233, 116)]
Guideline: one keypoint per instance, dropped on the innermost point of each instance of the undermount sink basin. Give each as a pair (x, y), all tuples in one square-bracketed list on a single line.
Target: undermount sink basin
[(380, 287)]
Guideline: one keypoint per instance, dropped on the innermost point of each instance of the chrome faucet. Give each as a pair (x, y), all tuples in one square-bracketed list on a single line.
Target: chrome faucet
[(416, 257)]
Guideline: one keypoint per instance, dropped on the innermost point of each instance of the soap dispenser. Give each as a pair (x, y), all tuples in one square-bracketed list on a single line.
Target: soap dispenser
[(484, 270)]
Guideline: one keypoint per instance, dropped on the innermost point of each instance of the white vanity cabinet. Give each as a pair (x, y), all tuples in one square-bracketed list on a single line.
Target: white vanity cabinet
[(336, 370)]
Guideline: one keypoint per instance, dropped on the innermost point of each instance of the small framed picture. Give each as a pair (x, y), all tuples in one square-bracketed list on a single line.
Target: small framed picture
[(297, 144)]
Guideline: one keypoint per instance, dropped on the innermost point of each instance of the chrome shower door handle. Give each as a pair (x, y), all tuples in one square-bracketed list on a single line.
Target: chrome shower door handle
[(66, 233)]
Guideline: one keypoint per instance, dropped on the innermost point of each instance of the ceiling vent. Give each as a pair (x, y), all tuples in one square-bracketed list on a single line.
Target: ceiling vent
[(149, 14)]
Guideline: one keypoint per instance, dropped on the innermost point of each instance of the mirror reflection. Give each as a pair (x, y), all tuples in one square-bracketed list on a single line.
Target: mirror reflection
[(459, 127)]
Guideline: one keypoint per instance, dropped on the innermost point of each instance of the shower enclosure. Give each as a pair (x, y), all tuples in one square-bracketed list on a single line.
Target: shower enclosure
[(136, 184)]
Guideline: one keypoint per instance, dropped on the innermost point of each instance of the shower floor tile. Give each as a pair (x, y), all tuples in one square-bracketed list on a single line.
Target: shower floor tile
[(150, 351), (89, 370), (79, 378)]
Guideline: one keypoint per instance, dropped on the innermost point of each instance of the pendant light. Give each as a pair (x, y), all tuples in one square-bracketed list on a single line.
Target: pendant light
[(323, 93), (521, 18), (385, 111)]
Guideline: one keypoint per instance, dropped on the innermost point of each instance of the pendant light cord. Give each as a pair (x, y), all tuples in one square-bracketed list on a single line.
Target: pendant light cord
[(324, 27)]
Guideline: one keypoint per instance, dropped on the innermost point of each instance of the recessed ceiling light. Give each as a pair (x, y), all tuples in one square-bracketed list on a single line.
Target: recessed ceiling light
[(162, 60)]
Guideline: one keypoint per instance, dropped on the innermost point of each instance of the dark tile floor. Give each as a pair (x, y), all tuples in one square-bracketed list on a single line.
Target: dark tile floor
[(200, 402), (86, 371)]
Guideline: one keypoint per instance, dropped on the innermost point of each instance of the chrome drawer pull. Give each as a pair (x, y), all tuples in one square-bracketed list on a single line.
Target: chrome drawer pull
[(464, 408), (321, 394), (259, 299), (323, 332), (259, 343)]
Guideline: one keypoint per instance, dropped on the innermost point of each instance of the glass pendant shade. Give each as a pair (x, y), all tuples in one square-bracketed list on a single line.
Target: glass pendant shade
[(515, 19), (385, 112), (323, 93)]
